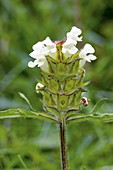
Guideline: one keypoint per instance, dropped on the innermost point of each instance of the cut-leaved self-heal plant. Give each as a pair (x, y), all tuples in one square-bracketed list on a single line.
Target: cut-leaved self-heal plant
[(61, 66)]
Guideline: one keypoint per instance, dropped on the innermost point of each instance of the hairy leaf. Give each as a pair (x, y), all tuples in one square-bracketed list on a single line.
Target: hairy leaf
[(104, 117), (18, 113)]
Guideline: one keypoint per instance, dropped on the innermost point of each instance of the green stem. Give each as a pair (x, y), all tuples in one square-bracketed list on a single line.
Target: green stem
[(63, 145)]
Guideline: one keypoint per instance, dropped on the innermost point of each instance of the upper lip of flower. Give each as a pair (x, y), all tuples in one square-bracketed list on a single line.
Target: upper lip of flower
[(74, 34), (49, 45)]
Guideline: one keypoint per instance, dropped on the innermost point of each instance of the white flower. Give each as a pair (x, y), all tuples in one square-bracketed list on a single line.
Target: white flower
[(74, 34), (39, 58), (87, 54), (51, 47), (39, 86), (39, 61), (38, 54), (42, 49), (68, 48)]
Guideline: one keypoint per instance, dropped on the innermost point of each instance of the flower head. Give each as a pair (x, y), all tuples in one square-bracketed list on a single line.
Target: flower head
[(74, 34), (87, 54)]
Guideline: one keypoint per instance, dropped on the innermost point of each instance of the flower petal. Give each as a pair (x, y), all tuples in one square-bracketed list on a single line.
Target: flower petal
[(76, 30), (69, 42), (88, 49), (48, 41), (44, 66), (31, 64), (64, 50), (82, 62), (69, 46), (87, 58), (79, 38), (53, 55), (82, 54), (73, 50), (38, 45), (74, 34), (33, 54), (40, 61), (51, 47), (90, 57), (53, 50)]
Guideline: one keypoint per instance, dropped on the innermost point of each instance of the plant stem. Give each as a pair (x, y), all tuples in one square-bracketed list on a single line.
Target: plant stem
[(63, 145)]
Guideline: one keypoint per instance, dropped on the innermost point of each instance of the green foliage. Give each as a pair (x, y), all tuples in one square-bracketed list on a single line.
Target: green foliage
[(23, 23), (18, 113), (24, 165), (27, 101)]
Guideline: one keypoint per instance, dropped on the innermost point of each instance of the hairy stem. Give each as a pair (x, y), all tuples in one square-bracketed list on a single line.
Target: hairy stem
[(63, 145)]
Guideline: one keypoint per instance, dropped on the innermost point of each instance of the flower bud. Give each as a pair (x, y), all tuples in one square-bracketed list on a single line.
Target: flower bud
[(39, 86), (85, 101)]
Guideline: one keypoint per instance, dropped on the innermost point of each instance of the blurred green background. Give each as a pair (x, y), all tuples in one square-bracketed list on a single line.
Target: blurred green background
[(22, 24)]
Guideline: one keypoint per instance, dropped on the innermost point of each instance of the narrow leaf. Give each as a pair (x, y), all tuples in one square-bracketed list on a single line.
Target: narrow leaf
[(104, 117), (19, 113), (26, 99), (98, 105), (86, 83), (79, 117), (22, 162)]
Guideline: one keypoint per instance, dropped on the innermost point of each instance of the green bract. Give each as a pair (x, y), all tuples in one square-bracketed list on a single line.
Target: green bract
[(63, 84)]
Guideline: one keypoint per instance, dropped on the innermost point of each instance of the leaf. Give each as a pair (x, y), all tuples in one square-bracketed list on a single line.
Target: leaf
[(22, 162), (86, 83), (104, 117), (26, 99), (19, 113), (79, 117), (98, 105)]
